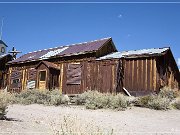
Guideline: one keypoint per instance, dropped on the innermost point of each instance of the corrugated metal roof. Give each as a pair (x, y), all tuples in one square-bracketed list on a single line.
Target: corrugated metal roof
[(74, 49), (136, 53)]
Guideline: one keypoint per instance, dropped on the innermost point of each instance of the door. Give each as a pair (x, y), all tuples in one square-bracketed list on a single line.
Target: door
[(42, 79)]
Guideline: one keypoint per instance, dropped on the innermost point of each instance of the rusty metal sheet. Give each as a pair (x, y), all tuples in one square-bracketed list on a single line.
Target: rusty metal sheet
[(135, 53), (74, 49)]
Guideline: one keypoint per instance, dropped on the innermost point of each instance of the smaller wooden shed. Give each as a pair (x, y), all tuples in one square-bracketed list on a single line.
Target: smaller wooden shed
[(48, 75), (146, 71)]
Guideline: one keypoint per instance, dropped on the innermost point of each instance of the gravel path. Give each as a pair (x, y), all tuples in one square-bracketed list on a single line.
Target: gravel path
[(39, 119)]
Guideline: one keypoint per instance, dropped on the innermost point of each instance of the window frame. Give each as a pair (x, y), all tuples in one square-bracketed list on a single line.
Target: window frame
[(40, 75)]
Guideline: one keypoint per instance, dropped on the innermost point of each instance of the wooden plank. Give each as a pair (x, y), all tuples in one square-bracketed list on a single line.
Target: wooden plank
[(9, 80), (133, 79), (25, 79), (127, 75), (61, 78), (155, 74), (22, 80), (142, 79), (145, 74), (151, 76), (113, 79), (137, 77), (148, 74)]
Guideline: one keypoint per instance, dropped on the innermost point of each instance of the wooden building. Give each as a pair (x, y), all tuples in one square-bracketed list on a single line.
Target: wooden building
[(94, 65), (71, 69), (4, 58), (146, 71)]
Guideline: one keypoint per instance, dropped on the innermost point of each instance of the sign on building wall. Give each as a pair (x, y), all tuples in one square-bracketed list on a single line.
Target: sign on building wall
[(31, 84)]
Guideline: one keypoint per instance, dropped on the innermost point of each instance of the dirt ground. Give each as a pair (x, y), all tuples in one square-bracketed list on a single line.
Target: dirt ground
[(39, 119)]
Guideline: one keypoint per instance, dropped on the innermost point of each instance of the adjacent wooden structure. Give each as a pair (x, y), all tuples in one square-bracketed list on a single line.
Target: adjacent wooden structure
[(4, 58), (146, 71)]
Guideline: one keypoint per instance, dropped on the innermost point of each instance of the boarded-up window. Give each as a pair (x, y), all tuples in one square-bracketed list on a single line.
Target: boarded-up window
[(31, 80), (74, 74), (16, 79), (32, 74)]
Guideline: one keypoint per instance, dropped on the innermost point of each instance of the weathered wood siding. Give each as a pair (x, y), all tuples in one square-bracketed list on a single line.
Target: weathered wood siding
[(170, 73), (140, 75), (145, 75), (95, 75)]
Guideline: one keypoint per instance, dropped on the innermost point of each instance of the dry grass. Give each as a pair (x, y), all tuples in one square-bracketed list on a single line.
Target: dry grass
[(162, 101), (72, 125)]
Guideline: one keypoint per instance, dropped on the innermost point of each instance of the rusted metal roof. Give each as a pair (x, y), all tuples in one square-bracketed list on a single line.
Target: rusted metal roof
[(135, 53), (49, 65), (69, 50)]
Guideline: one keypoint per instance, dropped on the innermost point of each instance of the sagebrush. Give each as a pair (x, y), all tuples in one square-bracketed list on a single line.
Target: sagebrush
[(5, 99), (97, 100), (45, 97)]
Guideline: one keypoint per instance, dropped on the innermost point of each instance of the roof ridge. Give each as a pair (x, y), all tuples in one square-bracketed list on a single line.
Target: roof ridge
[(69, 45), (146, 49)]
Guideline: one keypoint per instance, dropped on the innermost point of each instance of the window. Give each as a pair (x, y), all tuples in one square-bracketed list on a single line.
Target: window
[(16, 81), (42, 75), (74, 73), (2, 49)]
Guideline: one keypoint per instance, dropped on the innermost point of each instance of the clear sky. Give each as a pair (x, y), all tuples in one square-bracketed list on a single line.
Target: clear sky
[(31, 27)]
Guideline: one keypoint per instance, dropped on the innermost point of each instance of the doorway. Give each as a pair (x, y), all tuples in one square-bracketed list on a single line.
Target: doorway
[(42, 79)]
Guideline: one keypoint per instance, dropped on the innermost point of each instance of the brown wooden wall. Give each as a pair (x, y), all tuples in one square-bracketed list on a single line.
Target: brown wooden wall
[(170, 75), (149, 74), (96, 75), (140, 75)]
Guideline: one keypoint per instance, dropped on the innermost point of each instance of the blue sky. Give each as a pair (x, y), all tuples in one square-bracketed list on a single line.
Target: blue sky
[(30, 27)]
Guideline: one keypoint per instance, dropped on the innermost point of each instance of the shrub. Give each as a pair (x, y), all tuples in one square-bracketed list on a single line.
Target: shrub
[(159, 103), (5, 99), (39, 97), (143, 101), (96, 100), (119, 102), (65, 99), (169, 93), (156, 102), (176, 104), (93, 100)]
